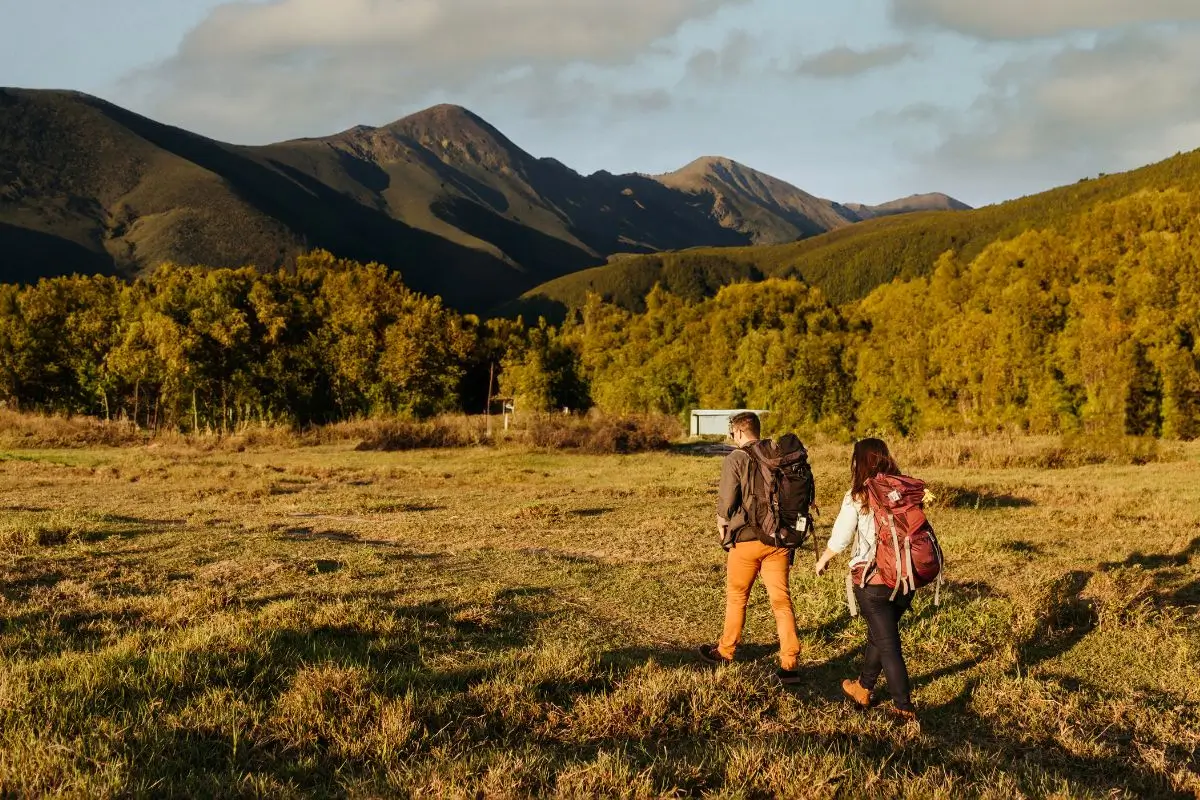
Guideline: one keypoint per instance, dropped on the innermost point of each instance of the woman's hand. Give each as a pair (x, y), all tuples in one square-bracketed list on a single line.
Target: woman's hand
[(823, 562)]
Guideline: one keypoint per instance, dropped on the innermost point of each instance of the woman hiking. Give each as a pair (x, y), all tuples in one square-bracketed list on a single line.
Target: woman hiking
[(881, 603)]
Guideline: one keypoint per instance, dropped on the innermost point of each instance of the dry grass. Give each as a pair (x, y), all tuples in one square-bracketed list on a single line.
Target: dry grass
[(595, 433), (506, 622), (397, 435), (19, 430), (1006, 451)]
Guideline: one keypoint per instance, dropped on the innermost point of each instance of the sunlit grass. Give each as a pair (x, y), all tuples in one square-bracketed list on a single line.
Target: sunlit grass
[(501, 622)]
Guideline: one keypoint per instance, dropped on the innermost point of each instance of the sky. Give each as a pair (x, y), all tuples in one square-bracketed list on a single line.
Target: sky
[(855, 100)]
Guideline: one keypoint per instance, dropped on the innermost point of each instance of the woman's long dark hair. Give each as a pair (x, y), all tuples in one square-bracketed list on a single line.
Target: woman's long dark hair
[(871, 458)]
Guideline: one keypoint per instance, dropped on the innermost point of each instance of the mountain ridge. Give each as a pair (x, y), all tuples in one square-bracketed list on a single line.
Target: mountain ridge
[(914, 203), (764, 208), (440, 195), (851, 261)]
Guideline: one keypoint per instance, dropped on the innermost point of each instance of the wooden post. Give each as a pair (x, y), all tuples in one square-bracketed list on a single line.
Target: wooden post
[(488, 410)]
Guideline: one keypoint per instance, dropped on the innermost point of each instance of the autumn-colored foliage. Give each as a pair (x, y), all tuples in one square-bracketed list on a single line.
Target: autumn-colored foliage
[(1085, 328)]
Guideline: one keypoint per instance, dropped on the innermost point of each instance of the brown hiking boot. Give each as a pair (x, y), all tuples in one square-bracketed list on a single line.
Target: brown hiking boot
[(855, 693)]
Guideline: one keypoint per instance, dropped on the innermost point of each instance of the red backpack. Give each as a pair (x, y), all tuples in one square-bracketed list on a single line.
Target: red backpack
[(907, 553)]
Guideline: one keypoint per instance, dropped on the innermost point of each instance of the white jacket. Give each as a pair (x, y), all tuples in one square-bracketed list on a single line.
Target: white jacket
[(854, 518)]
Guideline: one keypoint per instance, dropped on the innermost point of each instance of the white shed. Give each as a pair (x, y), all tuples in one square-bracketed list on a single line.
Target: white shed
[(716, 423)]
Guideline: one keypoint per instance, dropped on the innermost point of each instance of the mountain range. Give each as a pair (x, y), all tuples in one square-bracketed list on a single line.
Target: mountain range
[(847, 263), (441, 195)]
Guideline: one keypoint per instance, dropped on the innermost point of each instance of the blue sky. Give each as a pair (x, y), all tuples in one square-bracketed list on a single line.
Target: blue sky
[(857, 100)]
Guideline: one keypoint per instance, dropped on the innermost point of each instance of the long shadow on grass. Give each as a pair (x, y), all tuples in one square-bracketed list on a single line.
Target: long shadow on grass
[(1165, 570), (1034, 759), (1188, 595), (38, 634), (1061, 623), (17, 589), (957, 733), (979, 500), (468, 643), (1159, 560)]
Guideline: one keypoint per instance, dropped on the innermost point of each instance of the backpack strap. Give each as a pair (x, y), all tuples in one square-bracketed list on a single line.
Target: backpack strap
[(912, 570), (899, 563), (937, 592)]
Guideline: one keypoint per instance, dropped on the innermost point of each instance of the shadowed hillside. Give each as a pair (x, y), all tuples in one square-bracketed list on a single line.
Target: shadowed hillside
[(90, 181), (441, 195)]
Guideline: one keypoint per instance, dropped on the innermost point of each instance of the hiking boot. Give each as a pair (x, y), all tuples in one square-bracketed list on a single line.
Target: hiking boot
[(856, 693), (712, 655), (788, 677)]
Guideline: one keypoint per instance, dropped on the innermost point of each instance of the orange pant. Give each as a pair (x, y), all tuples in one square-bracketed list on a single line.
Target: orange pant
[(747, 561)]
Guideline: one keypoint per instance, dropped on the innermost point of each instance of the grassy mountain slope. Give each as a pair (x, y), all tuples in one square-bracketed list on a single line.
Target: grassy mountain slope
[(849, 262)]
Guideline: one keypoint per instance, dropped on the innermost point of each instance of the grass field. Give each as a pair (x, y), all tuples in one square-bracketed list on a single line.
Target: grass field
[(507, 623)]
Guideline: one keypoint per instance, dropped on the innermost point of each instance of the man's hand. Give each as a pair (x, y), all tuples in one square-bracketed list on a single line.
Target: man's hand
[(722, 528)]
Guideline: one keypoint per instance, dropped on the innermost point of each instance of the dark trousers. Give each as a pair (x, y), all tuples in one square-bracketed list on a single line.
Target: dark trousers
[(883, 654)]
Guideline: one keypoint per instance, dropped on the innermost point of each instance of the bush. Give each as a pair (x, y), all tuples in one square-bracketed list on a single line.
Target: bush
[(600, 434), (18, 430), (394, 435)]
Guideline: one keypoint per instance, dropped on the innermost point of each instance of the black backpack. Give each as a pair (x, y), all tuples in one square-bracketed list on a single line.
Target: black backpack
[(781, 493)]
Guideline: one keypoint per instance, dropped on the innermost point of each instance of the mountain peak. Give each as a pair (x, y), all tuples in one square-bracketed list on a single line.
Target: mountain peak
[(458, 135), (446, 114), (932, 201), (707, 165), (764, 208)]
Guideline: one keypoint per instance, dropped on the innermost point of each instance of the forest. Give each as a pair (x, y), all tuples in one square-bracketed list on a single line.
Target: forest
[(1088, 326)]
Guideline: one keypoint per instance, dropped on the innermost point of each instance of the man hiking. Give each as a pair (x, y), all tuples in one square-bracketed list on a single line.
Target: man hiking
[(762, 515)]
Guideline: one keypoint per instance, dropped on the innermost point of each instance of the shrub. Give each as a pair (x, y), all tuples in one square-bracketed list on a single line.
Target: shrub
[(394, 435), (599, 434), (18, 430)]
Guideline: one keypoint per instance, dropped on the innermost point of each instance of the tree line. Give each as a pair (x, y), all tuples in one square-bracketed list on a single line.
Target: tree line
[(1086, 327)]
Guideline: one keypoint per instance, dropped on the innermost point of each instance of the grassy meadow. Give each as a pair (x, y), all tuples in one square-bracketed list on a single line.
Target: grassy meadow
[(320, 621)]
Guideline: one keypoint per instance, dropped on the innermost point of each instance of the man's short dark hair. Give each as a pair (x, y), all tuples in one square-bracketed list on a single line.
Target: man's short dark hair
[(746, 422)]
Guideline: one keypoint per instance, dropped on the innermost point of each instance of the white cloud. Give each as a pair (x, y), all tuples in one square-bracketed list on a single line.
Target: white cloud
[(846, 62), (1129, 100), (257, 68), (1022, 19), (728, 62)]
